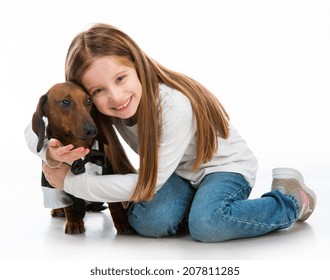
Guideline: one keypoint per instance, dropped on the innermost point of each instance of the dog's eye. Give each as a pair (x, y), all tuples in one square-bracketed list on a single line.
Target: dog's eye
[(65, 103), (89, 101)]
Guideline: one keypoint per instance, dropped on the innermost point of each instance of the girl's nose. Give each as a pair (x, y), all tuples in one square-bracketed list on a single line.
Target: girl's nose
[(116, 96)]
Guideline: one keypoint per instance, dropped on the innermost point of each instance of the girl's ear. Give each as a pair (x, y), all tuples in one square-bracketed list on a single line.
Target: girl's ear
[(38, 124)]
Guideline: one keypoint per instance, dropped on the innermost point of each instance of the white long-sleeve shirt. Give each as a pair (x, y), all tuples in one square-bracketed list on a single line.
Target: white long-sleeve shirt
[(177, 153)]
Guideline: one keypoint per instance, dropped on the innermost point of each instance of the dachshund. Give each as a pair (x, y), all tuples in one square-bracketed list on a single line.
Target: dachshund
[(68, 109)]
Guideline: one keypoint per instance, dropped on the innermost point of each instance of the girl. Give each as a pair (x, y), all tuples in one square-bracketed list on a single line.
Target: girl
[(194, 166)]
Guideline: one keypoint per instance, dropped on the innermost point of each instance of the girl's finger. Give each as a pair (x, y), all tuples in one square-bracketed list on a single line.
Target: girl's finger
[(65, 149)]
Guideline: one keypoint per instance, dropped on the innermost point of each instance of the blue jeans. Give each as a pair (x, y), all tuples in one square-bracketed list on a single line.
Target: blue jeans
[(218, 210)]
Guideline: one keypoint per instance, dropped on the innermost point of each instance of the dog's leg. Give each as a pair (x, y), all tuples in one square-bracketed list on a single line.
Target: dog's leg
[(74, 221), (57, 212), (119, 217)]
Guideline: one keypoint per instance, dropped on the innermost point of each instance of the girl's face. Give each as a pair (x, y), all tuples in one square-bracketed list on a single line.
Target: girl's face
[(114, 86)]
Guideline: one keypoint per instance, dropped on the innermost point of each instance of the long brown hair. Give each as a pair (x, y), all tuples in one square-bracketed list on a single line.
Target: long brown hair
[(212, 120)]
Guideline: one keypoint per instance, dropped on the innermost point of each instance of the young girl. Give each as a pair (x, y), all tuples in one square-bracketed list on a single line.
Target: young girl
[(194, 166)]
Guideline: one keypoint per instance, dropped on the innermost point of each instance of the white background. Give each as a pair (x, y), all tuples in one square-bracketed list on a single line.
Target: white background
[(267, 61)]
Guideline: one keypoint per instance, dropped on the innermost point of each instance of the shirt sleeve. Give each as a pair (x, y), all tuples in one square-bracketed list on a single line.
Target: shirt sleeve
[(179, 128), (102, 188)]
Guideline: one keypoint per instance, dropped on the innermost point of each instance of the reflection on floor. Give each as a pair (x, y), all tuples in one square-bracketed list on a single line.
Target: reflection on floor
[(29, 232)]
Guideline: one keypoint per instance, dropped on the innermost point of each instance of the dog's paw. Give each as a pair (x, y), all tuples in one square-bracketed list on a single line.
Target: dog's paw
[(74, 221), (75, 226), (125, 229), (57, 212)]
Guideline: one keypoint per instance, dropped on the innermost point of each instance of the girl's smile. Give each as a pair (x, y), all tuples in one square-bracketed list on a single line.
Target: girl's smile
[(114, 86), (123, 106)]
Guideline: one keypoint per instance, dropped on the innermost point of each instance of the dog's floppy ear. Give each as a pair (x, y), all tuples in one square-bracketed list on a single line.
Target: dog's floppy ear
[(38, 124)]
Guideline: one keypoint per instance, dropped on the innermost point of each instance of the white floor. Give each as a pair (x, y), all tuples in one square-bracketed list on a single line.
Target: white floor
[(28, 232)]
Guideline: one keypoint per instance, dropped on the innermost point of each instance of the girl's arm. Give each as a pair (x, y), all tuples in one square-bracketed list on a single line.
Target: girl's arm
[(178, 130), (108, 188)]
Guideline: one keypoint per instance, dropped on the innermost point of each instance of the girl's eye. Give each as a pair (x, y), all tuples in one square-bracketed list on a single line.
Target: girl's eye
[(89, 101), (65, 103), (97, 91), (119, 79)]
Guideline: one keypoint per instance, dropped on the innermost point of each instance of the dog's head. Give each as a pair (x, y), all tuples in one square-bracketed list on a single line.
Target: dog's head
[(68, 110)]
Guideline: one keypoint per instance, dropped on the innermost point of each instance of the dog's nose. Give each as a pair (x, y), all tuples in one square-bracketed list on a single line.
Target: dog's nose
[(90, 130)]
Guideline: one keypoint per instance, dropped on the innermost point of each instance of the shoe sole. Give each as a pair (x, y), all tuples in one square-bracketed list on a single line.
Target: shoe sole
[(290, 173)]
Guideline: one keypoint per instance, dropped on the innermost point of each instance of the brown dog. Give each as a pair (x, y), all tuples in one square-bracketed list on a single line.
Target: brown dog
[(68, 110)]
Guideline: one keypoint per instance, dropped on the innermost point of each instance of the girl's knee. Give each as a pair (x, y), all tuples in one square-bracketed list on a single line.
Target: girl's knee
[(207, 227), (199, 229), (149, 224)]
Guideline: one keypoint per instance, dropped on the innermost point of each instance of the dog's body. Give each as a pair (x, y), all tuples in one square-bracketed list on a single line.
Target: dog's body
[(68, 110)]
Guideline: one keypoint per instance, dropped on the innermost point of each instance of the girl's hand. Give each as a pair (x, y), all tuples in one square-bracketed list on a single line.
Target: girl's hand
[(56, 176), (57, 153)]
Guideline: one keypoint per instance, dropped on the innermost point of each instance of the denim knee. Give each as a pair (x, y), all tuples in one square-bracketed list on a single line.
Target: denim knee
[(202, 227), (165, 212), (148, 223)]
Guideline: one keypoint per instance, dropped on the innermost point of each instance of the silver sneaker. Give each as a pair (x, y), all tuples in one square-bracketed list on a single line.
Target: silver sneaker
[(290, 181)]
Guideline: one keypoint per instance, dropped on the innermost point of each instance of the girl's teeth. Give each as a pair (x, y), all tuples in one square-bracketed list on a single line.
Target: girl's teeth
[(124, 105)]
